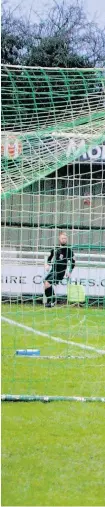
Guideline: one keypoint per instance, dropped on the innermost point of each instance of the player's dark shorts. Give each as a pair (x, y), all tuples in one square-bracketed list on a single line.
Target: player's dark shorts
[(54, 277)]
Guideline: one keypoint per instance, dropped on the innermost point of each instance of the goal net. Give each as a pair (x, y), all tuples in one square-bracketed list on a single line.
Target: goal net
[(52, 180)]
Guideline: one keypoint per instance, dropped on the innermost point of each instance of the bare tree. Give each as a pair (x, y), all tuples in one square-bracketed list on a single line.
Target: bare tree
[(64, 38)]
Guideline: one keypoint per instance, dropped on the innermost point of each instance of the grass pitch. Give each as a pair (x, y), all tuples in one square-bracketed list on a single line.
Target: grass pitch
[(53, 454)]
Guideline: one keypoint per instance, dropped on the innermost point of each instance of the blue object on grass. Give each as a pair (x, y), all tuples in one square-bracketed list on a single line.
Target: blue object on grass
[(28, 352)]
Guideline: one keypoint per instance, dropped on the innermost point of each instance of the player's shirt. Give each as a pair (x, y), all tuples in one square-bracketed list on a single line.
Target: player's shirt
[(61, 254)]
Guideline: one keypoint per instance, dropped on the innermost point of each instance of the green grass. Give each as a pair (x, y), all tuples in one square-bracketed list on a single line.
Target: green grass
[(53, 454)]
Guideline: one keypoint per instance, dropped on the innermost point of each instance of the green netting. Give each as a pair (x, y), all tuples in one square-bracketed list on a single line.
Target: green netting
[(49, 118)]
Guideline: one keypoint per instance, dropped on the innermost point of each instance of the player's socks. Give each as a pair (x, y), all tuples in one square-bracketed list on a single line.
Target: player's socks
[(50, 295), (53, 299)]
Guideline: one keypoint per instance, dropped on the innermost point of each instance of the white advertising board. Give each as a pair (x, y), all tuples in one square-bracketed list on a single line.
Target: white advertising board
[(22, 279)]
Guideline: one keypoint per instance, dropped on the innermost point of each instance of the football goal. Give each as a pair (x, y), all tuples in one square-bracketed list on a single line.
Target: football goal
[(53, 181)]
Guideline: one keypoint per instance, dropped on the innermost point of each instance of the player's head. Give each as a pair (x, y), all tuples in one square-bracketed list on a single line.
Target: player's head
[(63, 238)]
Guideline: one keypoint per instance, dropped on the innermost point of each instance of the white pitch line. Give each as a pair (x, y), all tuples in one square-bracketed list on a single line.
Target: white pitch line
[(58, 357), (54, 338)]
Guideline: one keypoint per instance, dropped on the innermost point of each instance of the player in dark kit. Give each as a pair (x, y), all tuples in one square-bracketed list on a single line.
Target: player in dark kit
[(60, 255)]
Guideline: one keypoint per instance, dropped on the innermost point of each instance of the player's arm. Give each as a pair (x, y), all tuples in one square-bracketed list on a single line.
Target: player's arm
[(71, 261), (50, 257)]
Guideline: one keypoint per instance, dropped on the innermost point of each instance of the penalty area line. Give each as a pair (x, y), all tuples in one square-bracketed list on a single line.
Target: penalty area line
[(54, 338)]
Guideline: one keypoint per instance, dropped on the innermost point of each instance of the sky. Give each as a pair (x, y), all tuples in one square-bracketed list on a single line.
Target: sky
[(94, 8)]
